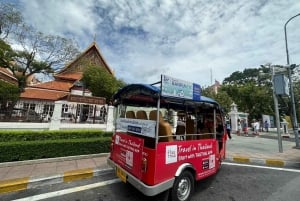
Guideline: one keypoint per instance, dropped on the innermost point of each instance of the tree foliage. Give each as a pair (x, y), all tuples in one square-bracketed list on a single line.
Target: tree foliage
[(252, 75), (251, 98), (40, 53), (221, 97), (10, 19), (252, 91), (36, 53), (9, 94), (101, 82), (6, 54)]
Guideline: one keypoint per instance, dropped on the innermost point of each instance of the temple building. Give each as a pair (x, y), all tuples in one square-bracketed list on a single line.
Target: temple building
[(79, 104)]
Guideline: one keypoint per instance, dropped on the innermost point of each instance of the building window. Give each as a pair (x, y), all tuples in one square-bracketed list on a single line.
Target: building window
[(65, 108), (29, 106), (48, 110), (26, 106), (91, 110)]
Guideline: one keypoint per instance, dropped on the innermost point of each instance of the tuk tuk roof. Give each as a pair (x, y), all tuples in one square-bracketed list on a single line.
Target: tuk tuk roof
[(132, 91)]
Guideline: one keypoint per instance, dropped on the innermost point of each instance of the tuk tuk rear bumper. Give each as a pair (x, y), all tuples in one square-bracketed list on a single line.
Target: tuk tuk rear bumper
[(142, 187)]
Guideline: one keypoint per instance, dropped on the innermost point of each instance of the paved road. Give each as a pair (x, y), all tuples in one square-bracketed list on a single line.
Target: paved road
[(15, 176), (232, 183)]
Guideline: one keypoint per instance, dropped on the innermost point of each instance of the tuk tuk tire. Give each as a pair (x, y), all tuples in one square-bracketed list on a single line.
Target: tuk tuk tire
[(183, 187)]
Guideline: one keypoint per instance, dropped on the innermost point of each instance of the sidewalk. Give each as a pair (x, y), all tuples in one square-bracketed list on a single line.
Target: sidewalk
[(22, 175), (263, 150)]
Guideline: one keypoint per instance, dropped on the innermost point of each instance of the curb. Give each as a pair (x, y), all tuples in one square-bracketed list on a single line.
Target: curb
[(49, 160), (12, 185), (266, 162)]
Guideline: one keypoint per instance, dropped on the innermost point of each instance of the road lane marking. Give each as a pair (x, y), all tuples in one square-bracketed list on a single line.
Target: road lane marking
[(69, 190), (262, 167), (112, 181)]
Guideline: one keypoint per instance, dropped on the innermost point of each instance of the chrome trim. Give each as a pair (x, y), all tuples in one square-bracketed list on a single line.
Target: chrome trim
[(145, 189), (182, 167)]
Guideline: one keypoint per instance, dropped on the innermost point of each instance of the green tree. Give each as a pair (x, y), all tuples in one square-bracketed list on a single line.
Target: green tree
[(221, 97), (36, 53), (10, 19), (101, 82), (6, 54), (9, 94), (251, 75), (40, 53), (251, 90)]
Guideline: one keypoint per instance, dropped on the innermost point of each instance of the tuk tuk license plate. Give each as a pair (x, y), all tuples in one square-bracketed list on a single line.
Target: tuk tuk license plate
[(121, 174)]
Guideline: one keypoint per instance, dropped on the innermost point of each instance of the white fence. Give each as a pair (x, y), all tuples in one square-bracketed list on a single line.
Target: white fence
[(57, 124)]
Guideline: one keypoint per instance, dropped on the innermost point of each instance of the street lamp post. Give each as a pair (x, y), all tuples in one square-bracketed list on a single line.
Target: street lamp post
[(295, 124)]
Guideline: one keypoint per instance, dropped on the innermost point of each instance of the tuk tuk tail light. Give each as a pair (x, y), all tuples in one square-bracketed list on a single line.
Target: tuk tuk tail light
[(144, 164)]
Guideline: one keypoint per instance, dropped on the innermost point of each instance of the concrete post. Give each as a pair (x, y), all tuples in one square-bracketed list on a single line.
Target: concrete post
[(234, 122), (233, 115), (56, 117), (110, 118)]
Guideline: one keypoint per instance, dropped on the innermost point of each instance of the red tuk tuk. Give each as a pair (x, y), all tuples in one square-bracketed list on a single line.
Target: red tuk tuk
[(166, 137)]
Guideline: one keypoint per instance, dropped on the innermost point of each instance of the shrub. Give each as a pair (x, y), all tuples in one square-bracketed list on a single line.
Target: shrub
[(7, 136), (20, 145)]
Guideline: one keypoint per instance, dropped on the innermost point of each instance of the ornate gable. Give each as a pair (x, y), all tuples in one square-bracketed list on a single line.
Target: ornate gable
[(91, 55), (7, 76)]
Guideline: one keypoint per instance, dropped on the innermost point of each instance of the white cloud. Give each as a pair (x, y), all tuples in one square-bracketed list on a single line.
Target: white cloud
[(61, 17), (143, 39)]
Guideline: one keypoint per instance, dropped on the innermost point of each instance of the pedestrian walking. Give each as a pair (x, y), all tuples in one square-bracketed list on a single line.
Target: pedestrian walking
[(256, 127), (266, 126), (245, 129), (239, 127), (228, 129)]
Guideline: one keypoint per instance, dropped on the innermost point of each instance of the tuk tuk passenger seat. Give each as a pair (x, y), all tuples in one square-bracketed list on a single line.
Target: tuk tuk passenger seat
[(130, 115), (165, 128), (141, 114), (190, 129)]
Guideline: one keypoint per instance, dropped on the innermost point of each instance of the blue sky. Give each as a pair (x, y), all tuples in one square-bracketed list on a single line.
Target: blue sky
[(186, 39)]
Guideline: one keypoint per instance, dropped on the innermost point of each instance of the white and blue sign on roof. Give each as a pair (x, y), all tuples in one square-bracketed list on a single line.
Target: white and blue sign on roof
[(179, 88)]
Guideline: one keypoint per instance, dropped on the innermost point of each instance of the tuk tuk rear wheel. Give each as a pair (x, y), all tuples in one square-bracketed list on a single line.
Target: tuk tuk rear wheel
[(183, 187)]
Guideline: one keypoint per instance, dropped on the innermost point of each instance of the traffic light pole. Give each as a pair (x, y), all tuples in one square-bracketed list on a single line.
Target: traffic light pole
[(279, 137)]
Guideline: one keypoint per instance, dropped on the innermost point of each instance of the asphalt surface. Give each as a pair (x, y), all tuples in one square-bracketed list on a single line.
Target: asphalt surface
[(262, 150)]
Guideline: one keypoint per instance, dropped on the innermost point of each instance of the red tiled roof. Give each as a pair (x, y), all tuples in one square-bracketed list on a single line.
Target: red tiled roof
[(69, 76), (64, 80), (42, 94), (55, 85)]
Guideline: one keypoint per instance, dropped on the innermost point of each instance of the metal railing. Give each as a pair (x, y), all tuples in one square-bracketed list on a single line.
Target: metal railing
[(71, 113)]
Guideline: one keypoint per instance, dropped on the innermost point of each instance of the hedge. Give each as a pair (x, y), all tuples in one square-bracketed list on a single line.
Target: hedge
[(18, 151), (6, 136), (26, 145)]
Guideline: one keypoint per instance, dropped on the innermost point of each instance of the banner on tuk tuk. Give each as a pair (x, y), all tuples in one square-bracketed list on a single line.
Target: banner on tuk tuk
[(179, 88), (137, 126)]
